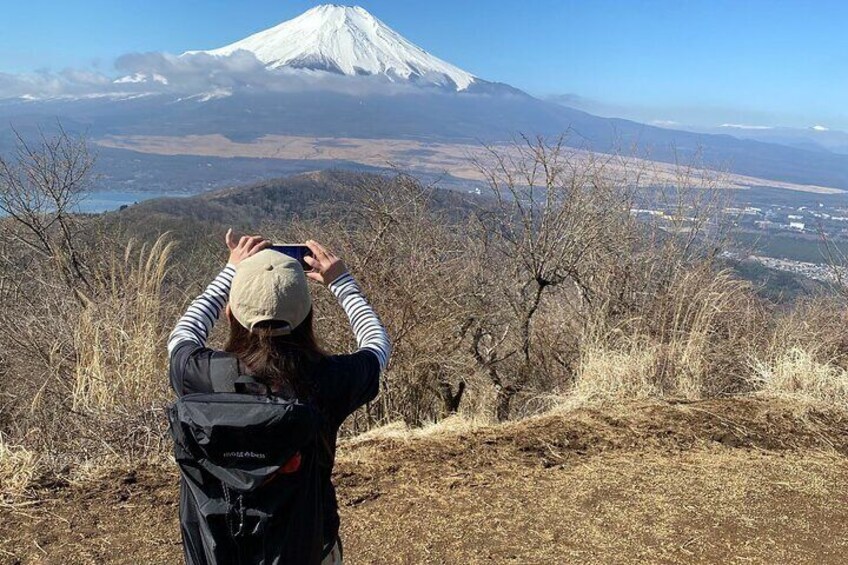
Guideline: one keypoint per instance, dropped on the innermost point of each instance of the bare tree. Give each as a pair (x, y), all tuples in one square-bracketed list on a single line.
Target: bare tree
[(414, 256), (40, 187), (556, 213), (412, 260)]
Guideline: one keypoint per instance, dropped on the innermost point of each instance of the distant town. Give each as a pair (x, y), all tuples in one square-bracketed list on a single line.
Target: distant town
[(802, 234)]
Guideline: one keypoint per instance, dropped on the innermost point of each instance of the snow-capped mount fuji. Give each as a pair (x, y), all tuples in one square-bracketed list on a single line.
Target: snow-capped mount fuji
[(347, 40), (339, 72)]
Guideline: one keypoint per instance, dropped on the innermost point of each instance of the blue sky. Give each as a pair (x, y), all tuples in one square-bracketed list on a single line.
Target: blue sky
[(776, 62)]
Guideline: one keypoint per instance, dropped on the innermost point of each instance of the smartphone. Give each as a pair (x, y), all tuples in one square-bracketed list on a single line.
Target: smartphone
[(295, 251)]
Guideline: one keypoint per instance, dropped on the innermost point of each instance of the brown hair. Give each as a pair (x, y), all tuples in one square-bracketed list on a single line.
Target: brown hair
[(284, 362)]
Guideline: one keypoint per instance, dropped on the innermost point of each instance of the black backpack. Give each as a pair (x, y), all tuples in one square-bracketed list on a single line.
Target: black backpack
[(250, 466)]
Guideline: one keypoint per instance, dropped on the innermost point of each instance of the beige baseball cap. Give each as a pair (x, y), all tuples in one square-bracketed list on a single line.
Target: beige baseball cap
[(270, 286)]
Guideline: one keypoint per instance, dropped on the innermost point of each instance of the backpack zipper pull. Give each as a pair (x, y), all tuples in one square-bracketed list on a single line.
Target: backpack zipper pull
[(241, 515)]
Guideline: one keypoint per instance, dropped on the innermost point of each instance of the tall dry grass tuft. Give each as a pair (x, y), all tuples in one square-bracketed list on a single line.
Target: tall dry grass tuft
[(706, 322), (121, 332), (611, 373), (798, 374), (691, 342), (18, 467), (807, 356)]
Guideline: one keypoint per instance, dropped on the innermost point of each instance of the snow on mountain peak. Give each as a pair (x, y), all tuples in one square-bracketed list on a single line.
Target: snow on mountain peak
[(346, 40)]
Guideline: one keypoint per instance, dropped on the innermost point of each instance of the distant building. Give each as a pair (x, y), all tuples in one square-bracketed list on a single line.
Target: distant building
[(643, 211), (796, 226)]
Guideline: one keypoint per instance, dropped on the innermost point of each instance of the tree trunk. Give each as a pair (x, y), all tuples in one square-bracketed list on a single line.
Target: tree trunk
[(503, 399), (450, 399)]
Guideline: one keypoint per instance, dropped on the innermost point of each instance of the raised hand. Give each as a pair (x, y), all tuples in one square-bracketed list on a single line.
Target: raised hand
[(326, 267), (246, 246)]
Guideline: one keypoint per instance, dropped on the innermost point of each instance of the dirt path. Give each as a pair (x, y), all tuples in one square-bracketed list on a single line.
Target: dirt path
[(708, 483)]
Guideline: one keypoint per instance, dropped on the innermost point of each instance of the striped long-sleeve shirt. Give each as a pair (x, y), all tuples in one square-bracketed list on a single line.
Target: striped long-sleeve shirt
[(200, 317), (197, 322), (369, 331)]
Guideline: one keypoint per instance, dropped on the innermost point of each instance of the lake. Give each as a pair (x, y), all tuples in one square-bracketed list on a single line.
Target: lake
[(106, 201)]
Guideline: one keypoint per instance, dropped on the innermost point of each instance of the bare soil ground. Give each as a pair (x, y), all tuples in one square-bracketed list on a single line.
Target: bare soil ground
[(724, 481)]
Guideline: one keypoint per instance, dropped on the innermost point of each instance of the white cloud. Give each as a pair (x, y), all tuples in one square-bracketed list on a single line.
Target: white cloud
[(820, 128), (198, 75), (744, 126), (132, 79)]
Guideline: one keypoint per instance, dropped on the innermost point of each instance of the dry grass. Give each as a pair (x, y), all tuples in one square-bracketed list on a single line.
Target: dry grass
[(690, 343), (103, 468), (18, 467), (798, 374), (609, 374), (120, 333), (455, 424), (806, 358), (96, 396)]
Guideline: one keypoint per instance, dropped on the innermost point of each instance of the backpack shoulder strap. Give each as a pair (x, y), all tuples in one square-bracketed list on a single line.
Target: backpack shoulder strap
[(223, 373), (228, 374)]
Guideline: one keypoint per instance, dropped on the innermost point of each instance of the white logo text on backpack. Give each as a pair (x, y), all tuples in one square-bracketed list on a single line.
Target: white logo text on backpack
[(245, 455)]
